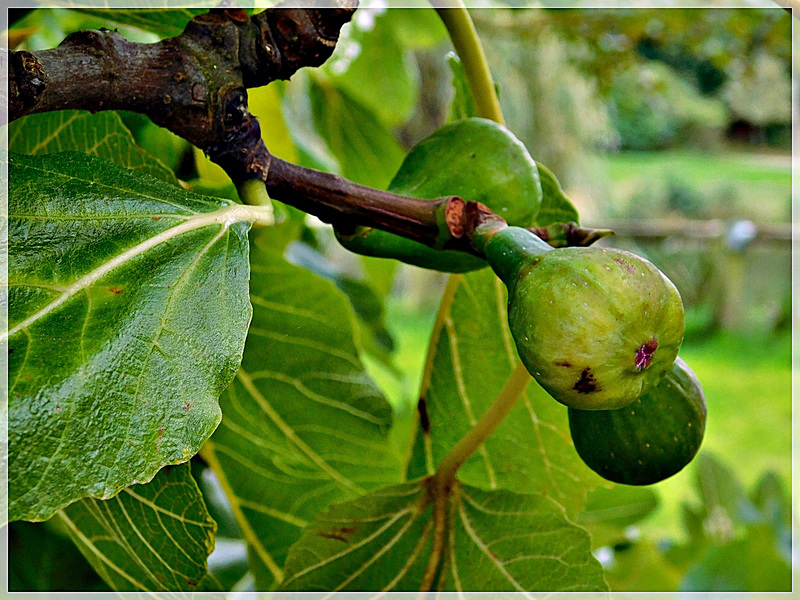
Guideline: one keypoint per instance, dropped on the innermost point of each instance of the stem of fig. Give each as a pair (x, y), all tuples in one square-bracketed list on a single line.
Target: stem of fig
[(468, 47), (515, 385), (509, 250)]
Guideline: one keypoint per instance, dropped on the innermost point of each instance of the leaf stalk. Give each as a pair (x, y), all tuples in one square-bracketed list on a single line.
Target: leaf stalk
[(515, 385), (468, 46)]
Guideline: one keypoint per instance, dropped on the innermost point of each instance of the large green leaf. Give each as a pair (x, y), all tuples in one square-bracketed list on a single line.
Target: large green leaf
[(101, 134), (304, 425), (473, 356), (371, 66), (366, 151), (128, 310), (153, 537), (493, 541), (366, 302)]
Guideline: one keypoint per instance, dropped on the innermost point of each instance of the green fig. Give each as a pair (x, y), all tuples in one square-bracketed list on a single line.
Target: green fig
[(650, 439), (597, 328), (475, 159)]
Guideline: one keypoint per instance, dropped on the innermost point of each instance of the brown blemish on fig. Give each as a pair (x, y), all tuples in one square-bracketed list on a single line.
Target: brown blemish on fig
[(424, 419), (115, 290), (644, 355), (628, 266), (564, 363), (587, 383)]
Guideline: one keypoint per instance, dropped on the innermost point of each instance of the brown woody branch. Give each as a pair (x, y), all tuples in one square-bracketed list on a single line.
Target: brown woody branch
[(195, 85)]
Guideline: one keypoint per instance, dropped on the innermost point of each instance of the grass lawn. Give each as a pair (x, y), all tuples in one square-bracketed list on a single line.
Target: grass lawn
[(732, 183), (699, 167)]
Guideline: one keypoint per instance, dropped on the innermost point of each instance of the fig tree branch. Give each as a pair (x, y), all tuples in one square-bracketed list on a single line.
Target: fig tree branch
[(195, 85)]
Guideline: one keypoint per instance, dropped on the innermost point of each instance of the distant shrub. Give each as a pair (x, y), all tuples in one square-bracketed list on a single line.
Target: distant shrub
[(652, 107)]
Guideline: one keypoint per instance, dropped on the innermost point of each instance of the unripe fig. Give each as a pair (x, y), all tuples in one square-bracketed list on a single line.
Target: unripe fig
[(597, 328), (649, 440), (475, 159)]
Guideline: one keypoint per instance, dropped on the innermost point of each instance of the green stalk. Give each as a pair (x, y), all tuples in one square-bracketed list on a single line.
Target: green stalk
[(253, 192), (446, 472), (468, 47)]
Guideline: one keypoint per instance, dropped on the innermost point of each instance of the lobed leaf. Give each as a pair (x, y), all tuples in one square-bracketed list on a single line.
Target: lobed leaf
[(153, 537), (102, 134), (493, 541), (304, 425), (469, 363), (128, 309)]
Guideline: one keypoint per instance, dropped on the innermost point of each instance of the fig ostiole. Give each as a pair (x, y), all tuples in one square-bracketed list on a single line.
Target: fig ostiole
[(649, 440), (596, 327)]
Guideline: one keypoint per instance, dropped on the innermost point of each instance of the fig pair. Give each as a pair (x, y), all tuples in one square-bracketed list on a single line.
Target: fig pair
[(600, 329)]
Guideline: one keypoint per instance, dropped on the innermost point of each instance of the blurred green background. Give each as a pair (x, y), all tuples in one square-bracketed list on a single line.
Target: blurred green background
[(672, 127)]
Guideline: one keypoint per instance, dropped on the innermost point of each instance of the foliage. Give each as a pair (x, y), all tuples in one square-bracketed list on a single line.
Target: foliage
[(653, 108), (114, 268), (724, 532), (309, 481)]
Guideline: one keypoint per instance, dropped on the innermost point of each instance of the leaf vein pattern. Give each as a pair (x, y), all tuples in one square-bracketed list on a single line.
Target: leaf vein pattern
[(361, 543), (223, 217), (415, 554), (109, 523), (162, 326), (290, 434), (484, 549), (462, 392), (90, 545), (300, 387), (376, 555)]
